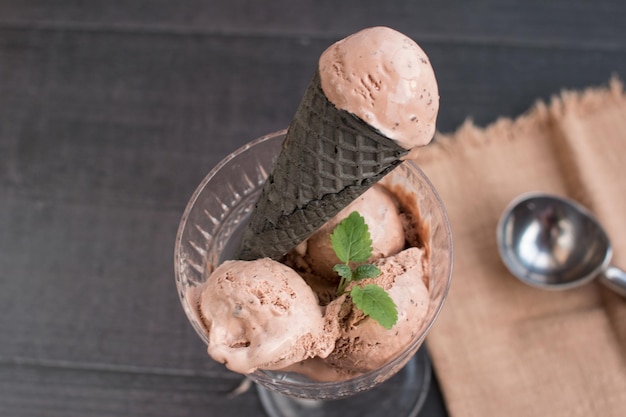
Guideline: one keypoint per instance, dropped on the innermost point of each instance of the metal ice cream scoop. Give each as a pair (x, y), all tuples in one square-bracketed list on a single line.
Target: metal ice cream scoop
[(554, 243)]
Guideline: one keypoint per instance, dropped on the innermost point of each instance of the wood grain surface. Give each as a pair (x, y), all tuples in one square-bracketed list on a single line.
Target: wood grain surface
[(111, 113)]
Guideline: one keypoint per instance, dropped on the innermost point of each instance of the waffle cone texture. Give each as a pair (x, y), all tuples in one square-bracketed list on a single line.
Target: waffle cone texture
[(329, 158)]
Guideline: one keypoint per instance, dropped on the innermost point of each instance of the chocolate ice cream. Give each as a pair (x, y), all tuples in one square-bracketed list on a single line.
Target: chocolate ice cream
[(261, 314), (381, 215), (364, 344)]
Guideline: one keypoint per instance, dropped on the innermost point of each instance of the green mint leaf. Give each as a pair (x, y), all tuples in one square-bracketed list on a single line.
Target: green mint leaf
[(365, 271), (351, 239), (374, 301), (343, 270)]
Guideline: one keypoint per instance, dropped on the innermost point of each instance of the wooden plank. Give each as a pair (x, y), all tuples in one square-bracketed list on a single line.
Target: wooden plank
[(41, 391), (92, 284), (35, 391), (571, 22)]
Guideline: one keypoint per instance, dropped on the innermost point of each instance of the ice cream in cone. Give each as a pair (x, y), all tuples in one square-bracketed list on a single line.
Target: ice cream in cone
[(372, 101)]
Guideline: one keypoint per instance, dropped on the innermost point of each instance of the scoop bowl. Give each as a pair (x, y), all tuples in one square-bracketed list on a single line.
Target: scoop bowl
[(552, 242)]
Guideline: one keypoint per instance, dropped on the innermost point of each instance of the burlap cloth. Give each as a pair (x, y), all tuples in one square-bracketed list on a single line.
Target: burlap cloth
[(499, 347)]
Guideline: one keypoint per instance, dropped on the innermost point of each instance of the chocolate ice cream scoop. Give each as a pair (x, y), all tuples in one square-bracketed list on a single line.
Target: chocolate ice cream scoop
[(386, 79), (384, 225), (364, 344), (371, 103), (261, 314)]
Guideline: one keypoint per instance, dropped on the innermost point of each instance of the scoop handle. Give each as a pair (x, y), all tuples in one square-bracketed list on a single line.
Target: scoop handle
[(615, 279)]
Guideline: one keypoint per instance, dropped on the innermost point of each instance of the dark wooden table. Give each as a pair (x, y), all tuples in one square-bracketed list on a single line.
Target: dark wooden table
[(111, 112)]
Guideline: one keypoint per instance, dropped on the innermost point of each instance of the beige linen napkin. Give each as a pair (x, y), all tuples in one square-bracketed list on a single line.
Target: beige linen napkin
[(501, 348)]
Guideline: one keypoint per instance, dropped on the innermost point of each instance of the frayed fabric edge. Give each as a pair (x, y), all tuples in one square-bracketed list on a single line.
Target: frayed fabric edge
[(540, 115)]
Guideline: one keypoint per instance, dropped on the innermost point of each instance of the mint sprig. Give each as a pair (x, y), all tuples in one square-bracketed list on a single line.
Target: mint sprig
[(351, 239), (373, 301), (352, 244)]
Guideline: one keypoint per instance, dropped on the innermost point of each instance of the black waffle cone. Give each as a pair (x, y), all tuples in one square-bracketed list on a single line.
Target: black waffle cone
[(329, 158)]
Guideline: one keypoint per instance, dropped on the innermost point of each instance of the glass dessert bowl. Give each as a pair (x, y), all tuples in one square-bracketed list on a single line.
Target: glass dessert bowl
[(209, 233)]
